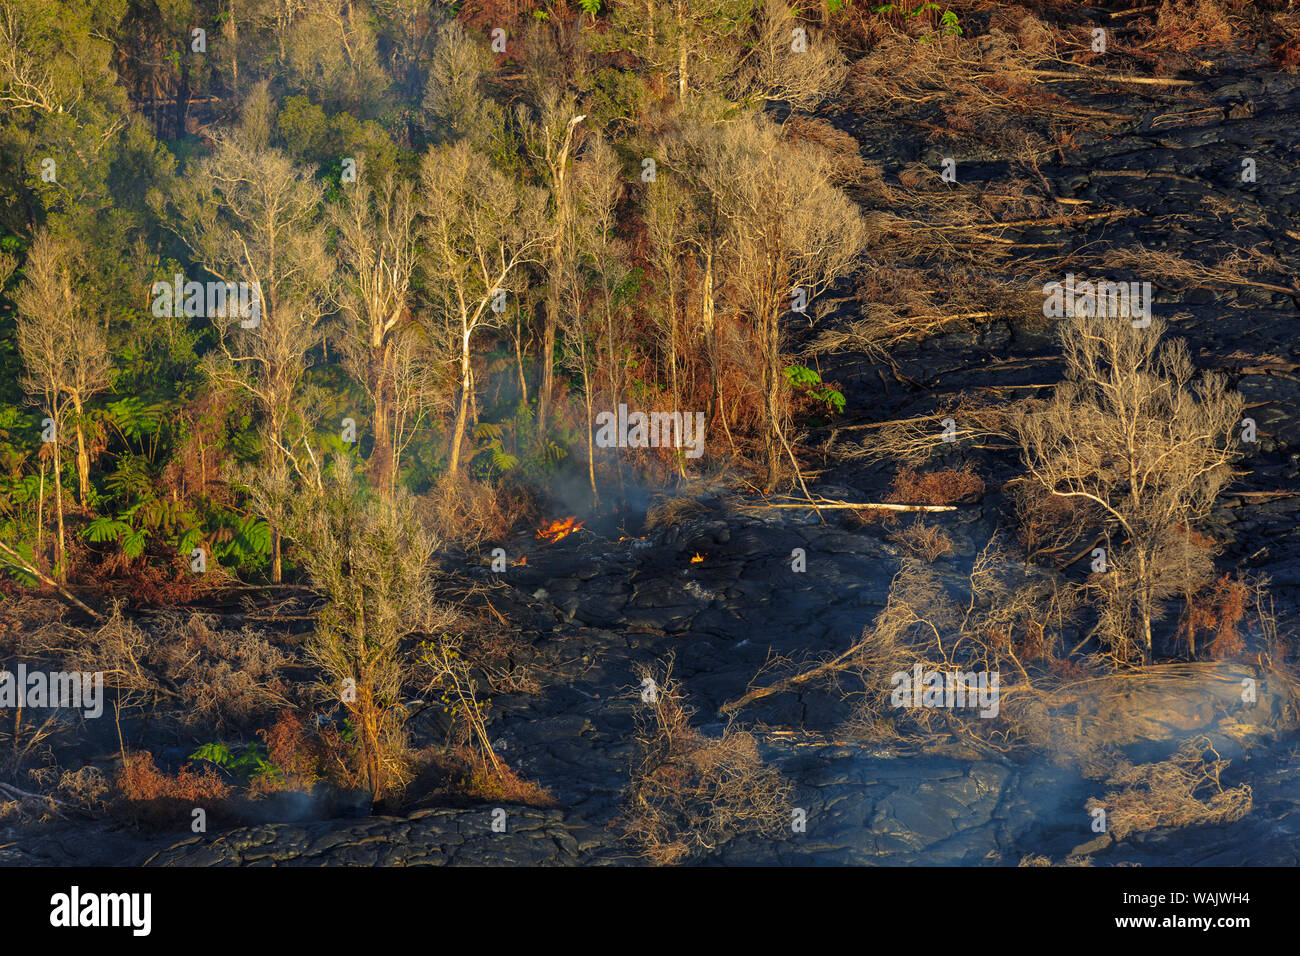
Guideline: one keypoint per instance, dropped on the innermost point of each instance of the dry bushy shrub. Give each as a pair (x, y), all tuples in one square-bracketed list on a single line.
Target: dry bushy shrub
[(928, 284), (847, 165), (153, 797), (1048, 526), (1216, 612), (668, 512), (1040, 860), (303, 757), (1133, 431), (1284, 40), (1180, 34), (1010, 621), (468, 512), (689, 792), (23, 616), (1188, 25), (981, 424), (87, 787), (1031, 34), (1179, 273), (475, 778), (1012, 624), (985, 89), (924, 541), (943, 486), (186, 664), (1182, 791)]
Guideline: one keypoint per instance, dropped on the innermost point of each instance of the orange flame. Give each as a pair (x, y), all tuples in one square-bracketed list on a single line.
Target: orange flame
[(698, 558), (523, 560), (558, 529)]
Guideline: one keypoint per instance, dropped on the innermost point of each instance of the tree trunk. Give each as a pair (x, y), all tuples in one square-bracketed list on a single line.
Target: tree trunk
[(547, 377), (61, 571), (462, 411), (771, 345), (707, 321), (772, 391), (1144, 602), (83, 459), (683, 53), (519, 358), (183, 98), (591, 441), (672, 361), (382, 464), (231, 30), (40, 514)]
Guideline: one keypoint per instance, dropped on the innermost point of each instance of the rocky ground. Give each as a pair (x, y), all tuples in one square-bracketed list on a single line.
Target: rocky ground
[(592, 608)]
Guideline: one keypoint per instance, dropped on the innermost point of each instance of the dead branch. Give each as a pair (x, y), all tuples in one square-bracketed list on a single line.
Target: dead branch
[(47, 580)]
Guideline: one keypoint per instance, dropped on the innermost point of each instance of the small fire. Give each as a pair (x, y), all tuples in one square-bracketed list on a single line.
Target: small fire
[(699, 558), (558, 529), (523, 560)]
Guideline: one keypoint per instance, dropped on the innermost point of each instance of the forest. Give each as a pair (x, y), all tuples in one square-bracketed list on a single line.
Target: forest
[(336, 336)]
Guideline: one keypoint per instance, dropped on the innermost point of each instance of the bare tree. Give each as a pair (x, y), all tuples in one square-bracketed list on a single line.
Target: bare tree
[(551, 144), (666, 213), (455, 101), (789, 61), (331, 51), (599, 186), (688, 792), (251, 216), (480, 228), (788, 228), (1129, 431), (696, 44), (65, 354), (376, 246)]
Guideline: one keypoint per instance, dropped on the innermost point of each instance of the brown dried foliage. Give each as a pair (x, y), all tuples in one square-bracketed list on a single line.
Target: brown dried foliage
[(155, 798), (944, 486), (688, 792), (185, 663), (1182, 791), (924, 541), (468, 512), (1216, 612)]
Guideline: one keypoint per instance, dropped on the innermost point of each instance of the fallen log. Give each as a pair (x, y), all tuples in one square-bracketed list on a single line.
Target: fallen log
[(1103, 77), (44, 578), (831, 505)]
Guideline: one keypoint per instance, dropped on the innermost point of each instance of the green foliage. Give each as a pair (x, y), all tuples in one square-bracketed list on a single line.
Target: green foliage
[(169, 439), (948, 22), (312, 136), (245, 545), (802, 377), (491, 436), (251, 761), (134, 418), (18, 573)]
